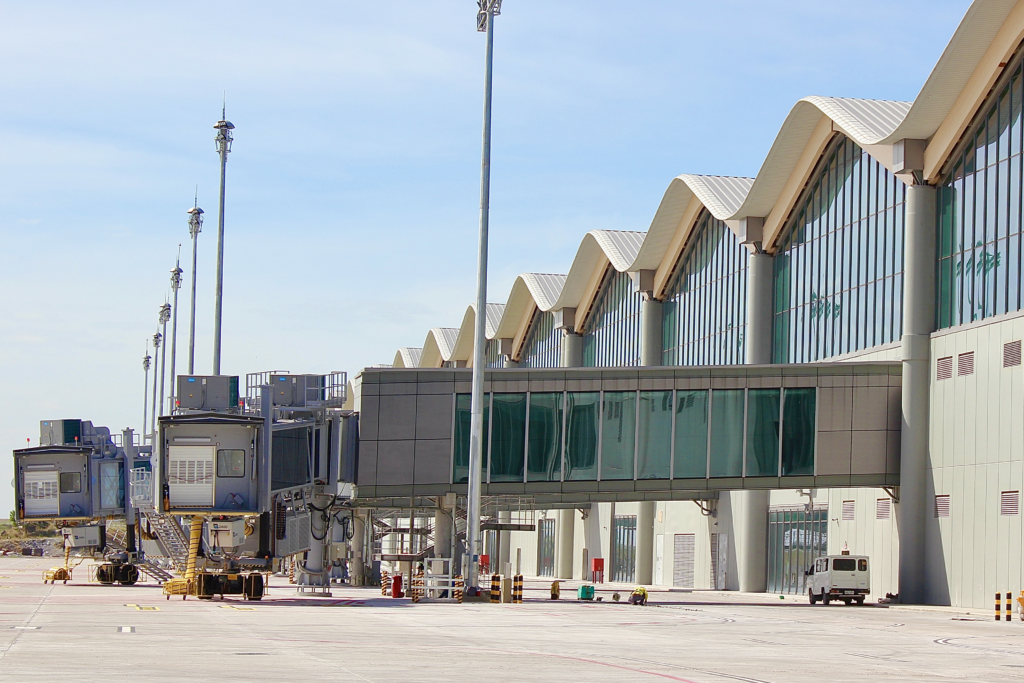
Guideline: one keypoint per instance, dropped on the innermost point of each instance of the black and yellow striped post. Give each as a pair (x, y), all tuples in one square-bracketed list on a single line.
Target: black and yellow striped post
[(459, 585), (495, 587), (517, 588), (1009, 606), (999, 606), (384, 583)]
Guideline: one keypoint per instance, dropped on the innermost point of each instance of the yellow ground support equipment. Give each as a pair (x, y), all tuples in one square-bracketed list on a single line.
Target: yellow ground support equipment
[(185, 586), (55, 574)]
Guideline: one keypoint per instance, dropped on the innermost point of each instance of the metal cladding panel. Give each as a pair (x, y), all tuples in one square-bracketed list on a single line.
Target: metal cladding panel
[(296, 536)]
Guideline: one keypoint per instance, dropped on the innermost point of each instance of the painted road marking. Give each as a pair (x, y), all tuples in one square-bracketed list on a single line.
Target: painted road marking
[(240, 609), (26, 628), (126, 629), (142, 608)]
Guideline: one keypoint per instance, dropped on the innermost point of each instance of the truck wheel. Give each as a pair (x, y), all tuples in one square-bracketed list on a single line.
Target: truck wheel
[(825, 597), (860, 602), (847, 601), (811, 597)]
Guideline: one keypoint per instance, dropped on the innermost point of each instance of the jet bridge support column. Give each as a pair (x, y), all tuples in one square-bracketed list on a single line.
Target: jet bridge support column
[(128, 444), (650, 355)]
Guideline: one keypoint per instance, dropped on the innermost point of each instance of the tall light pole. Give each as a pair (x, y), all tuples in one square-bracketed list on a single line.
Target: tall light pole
[(175, 285), (165, 315), (157, 338), (145, 392), (488, 9), (223, 140), (195, 226)]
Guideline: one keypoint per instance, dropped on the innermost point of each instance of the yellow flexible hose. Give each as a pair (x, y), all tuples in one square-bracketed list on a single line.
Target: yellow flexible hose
[(193, 547)]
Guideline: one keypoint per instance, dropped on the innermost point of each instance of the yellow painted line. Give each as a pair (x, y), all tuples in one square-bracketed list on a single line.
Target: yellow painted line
[(240, 609), (143, 608)]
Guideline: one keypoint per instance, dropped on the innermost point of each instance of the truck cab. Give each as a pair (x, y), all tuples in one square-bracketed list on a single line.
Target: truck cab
[(839, 577)]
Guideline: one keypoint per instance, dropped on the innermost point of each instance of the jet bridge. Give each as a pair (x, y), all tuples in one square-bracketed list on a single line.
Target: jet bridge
[(581, 435)]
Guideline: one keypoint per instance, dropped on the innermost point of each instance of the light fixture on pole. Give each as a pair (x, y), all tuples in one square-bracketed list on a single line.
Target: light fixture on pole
[(165, 315), (195, 226), (175, 285), (223, 140), (487, 10), (146, 360), (157, 338)]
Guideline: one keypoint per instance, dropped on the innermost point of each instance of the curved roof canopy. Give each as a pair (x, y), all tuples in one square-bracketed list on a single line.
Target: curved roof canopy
[(407, 357), (463, 348), (438, 346), (617, 247), (529, 290)]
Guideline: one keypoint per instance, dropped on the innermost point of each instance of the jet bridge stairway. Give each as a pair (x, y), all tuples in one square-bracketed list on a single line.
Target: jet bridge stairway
[(168, 532), (116, 540)]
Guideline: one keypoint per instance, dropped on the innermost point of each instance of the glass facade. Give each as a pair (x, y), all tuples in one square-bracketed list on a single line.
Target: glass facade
[(979, 212), (545, 547), (492, 354), (611, 337), (839, 263), (543, 345), (624, 435), (705, 310), (618, 435), (795, 538), (654, 448), (544, 450)]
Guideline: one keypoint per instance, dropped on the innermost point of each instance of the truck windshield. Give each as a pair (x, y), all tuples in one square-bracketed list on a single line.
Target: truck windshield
[(862, 565), (844, 565)]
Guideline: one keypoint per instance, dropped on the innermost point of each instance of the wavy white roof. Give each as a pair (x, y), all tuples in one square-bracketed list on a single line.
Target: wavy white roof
[(619, 247), (463, 349), (529, 289), (438, 346), (407, 357)]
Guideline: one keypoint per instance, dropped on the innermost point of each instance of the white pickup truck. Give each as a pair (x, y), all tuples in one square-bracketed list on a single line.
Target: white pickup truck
[(839, 577)]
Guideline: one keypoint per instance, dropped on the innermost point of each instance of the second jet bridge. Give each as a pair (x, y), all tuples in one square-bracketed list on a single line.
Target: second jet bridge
[(578, 435)]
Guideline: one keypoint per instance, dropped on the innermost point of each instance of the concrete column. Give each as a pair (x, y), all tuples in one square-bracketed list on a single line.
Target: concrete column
[(357, 566), (749, 509), (566, 537), (918, 324), (504, 544), (645, 543), (442, 533), (650, 332), (572, 350)]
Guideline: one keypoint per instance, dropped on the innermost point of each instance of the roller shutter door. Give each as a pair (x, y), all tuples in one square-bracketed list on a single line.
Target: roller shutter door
[(41, 494), (683, 560), (190, 475)]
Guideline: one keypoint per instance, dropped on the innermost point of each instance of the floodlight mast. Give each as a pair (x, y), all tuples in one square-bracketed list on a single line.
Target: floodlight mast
[(157, 338), (223, 140), (487, 10), (175, 285), (165, 315), (195, 226), (145, 392)]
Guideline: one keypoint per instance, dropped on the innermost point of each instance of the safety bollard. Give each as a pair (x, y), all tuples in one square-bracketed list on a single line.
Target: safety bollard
[(999, 606), (384, 583), (556, 590), (459, 585), (495, 587), (1009, 606), (517, 588)]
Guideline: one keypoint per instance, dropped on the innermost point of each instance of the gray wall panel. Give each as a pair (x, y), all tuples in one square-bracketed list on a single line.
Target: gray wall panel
[(397, 417), (434, 416), (395, 462), (433, 458)]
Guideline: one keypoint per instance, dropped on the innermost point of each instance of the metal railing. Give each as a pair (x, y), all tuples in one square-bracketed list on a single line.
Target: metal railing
[(142, 488)]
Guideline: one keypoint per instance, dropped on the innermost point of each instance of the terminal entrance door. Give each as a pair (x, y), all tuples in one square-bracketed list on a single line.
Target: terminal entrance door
[(623, 549), (796, 536)]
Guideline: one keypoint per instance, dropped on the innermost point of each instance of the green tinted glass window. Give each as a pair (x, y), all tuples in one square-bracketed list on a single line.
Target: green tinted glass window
[(463, 420), (727, 433), (763, 432), (618, 438), (655, 448), (508, 437), (582, 412), (544, 454), (798, 432), (691, 434)]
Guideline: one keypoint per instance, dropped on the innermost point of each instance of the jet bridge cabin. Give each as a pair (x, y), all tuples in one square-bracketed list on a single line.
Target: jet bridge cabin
[(77, 472)]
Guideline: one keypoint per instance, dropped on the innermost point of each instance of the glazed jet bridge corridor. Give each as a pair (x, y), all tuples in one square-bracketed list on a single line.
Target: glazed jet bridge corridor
[(579, 435)]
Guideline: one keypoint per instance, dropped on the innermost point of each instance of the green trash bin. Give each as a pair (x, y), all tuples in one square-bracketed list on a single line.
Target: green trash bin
[(585, 593)]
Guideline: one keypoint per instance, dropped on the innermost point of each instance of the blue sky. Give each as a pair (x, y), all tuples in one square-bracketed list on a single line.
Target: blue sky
[(353, 184)]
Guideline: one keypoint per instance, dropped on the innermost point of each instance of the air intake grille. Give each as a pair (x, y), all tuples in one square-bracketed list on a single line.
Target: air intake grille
[(944, 368), (849, 510), (1009, 503), (942, 506), (965, 364), (883, 508), (1011, 354)]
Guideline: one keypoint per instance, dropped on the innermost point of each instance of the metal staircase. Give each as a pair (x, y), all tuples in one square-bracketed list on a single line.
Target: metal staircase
[(116, 541), (168, 532)]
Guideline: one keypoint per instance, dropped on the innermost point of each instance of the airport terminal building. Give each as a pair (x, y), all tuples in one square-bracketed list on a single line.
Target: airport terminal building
[(880, 236)]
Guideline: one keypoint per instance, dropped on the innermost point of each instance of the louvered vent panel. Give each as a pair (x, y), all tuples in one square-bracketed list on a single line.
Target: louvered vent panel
[(1009, 503), (849, 510), (883, 508), (965, 364), (1011, 354), (944, 368), (942, 506)]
